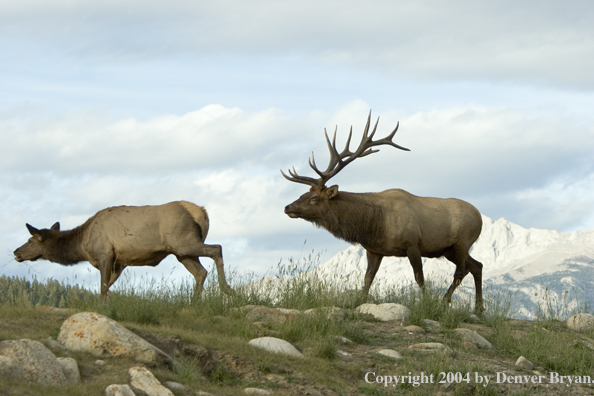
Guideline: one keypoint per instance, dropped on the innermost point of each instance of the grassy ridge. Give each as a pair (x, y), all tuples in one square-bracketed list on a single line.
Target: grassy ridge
[(212, 320)]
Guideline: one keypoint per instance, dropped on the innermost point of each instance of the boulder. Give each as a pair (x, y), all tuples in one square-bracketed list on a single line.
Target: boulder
[(119, 390), (328, 312), (391, 354), (70, 368), (473, 337), (415, 329), (271, 315), (275, 345), (580, 322), (256, 391), (142, 379), (101, 336), (30, 360), (385, 312), (524, 363), (431, 347)]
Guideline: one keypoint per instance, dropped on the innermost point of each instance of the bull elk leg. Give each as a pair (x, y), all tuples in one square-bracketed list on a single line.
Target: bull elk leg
[(476, 269), (414, 257), (195, 268), (459, 274), (373, 263)]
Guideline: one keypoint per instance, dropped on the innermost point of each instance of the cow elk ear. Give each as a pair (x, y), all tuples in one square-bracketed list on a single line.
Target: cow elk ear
[(56, 226), (332, 191), (32, 230), (35, 232)]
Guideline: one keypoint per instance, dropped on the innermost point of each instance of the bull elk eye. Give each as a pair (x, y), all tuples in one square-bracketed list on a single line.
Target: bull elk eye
[(314, 199)]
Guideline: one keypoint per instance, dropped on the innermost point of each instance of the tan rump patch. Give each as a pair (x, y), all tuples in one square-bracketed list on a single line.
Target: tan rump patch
[(198, 214)]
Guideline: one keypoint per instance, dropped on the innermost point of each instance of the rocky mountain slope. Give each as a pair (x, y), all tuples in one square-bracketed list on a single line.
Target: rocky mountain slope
[(534, 267)]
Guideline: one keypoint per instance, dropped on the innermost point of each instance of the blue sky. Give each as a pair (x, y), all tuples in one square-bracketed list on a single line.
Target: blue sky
[(132, 103)]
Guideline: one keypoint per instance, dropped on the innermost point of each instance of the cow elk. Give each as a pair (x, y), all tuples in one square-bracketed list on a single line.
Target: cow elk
[(122, 236), (393, 222)]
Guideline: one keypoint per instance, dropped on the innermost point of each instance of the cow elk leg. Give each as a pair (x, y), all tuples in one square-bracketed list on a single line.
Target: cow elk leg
[(215, 252), (195, 268), (105, 269)]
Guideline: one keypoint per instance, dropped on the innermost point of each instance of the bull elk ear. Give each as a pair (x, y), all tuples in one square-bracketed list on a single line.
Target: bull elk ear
[(332, 191), (56, 226)]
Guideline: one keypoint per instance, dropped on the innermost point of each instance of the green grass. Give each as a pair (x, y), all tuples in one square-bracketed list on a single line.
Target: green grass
[(213, 320)]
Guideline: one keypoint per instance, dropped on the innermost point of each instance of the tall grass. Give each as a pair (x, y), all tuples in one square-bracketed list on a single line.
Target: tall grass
[(215, 320)]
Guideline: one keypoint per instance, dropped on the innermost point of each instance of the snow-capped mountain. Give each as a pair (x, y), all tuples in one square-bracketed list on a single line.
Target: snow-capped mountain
[(536, 269)]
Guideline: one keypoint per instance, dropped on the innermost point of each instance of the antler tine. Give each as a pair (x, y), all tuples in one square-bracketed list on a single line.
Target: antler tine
[(366, 130), (348, 143), (294, 177), (374, 128), (340, 160), (388, 139), (312, 165)]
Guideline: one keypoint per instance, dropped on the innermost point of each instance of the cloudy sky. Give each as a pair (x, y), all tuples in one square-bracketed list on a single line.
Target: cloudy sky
[(126, 102)]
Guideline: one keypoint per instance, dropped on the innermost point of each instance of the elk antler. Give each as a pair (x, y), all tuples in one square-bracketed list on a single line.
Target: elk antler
[(340, 160)]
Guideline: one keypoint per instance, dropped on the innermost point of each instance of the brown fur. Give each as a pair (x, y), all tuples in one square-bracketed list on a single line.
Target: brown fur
[(122, 236), (397, 223)]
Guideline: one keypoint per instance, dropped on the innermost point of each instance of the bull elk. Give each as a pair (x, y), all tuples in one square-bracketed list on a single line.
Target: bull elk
[(122, 236), (393, 222)]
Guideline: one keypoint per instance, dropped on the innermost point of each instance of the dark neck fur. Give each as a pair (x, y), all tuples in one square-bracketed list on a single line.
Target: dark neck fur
[(63, 246), (354, 219)]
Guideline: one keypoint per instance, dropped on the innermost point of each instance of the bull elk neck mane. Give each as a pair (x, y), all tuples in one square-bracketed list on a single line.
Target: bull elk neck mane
[(393, 222)]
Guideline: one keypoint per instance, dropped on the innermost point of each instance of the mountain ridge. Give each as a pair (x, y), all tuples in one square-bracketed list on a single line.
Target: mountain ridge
[(538, 267)]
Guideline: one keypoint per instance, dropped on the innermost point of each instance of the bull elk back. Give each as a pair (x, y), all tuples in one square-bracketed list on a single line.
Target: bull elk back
[(393, 222)]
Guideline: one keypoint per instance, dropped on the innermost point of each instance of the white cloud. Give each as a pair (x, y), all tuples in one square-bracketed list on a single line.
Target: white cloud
[(139, 103), (209, 138), (543, 42)]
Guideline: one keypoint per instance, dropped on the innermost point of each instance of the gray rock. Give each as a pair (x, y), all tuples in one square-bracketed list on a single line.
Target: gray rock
[(101, 336), (524, 363), (256, 391), (431, 347), (474, 337), (275, 345), (30, 360), (431, 323), (385, 312), (391, 354), (70, 367), (271, 315), (174, 385), (415, 329), (119, 390), (343, 340), (329, 312), (141, 378), (580, 322), (473, 318), (53, 345)]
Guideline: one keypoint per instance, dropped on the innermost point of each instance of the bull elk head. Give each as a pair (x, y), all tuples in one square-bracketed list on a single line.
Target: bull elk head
[(318, 191)]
